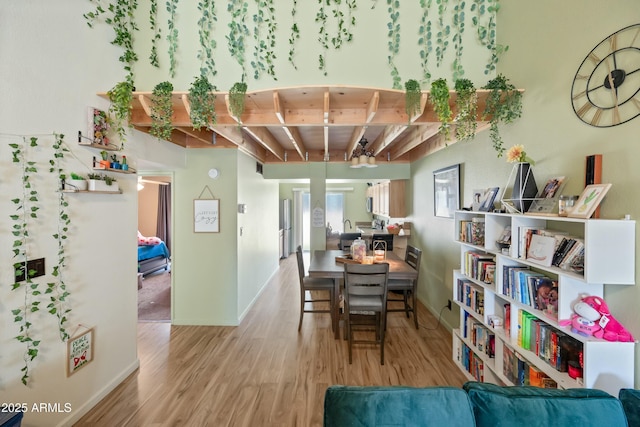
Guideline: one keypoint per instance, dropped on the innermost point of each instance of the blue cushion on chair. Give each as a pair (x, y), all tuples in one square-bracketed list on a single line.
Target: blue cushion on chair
[(525, 406), (397, 406)]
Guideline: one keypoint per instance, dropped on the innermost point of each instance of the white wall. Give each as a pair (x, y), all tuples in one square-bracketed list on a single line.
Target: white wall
[(548, 41)]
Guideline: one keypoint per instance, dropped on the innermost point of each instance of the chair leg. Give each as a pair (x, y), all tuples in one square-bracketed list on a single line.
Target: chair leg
[(349, 337), (301, 309), (415, 308), (405, 294), (382, 329)]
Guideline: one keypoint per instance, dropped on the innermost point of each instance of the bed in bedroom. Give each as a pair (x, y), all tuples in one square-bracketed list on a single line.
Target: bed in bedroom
[(152, 258)]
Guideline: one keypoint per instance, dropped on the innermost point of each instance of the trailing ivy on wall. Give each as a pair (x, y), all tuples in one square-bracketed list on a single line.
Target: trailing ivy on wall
[(466, 110), (121, 96), (57, 290), (412, 97), (26, 213), (236, 99), (393, 34), (264, 53), (172, 36), (425, 39), (323, 38), (205, 34), (294, 35), (238, 31), (458, 25), (442, 36), (503, 105), (485, 22), (121, 18), (440, 100), (203, 103), (155, 29)]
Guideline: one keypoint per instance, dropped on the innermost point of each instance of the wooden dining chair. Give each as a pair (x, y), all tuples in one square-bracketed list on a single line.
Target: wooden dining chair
[(408, 288), (310, 284), (365, 302)]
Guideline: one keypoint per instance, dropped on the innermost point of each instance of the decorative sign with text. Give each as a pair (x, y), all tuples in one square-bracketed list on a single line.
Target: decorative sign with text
[(206, 216), (317, 217), (79, 351)]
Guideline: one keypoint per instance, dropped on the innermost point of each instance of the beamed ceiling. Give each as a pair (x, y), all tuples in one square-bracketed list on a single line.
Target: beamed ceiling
[(311, 123)]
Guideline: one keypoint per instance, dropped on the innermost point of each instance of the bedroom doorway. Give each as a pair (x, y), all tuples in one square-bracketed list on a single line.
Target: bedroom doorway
[(154, 247)]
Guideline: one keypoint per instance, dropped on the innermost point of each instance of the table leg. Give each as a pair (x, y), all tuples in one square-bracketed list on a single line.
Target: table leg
[(336, 308)]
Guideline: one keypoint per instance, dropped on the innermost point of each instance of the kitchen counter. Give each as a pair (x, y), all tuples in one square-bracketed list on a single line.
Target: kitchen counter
[(368, 231)]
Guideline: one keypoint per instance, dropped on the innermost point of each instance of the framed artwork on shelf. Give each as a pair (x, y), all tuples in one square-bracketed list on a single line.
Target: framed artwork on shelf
[(488, 199), (446, 191), (547, 200), (589, 200)]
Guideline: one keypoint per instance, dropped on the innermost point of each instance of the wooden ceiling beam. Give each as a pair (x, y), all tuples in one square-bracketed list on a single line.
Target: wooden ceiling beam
[(292, 132), (266, 139)]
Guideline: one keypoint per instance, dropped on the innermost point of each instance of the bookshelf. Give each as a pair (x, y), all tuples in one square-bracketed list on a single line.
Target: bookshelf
[(527, 338)]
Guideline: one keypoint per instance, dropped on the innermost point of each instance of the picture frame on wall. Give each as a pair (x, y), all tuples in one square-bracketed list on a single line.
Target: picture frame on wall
[(79, 351), (446, 191), (206, 216), (589, 200)]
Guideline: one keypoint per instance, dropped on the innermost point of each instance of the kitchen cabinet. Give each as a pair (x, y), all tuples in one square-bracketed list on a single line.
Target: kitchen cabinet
[(388, 198)]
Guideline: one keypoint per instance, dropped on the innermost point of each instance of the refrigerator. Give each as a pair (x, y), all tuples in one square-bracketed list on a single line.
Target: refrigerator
[(285, 226)]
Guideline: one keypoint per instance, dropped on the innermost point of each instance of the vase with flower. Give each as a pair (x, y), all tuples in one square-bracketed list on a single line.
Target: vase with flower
[(524, 184)]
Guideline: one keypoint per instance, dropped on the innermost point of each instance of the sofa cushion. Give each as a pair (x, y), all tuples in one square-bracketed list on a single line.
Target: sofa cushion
[(631, 403), (525, 406), (397, 406)]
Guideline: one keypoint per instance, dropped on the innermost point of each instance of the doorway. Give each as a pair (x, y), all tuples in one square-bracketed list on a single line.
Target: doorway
[(155, 248)]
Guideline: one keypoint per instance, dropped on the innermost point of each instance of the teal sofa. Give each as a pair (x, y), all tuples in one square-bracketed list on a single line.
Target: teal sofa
[(479, 404)]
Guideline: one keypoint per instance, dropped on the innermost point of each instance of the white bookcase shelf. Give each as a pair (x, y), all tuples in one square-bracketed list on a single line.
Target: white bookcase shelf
[(609, 257)]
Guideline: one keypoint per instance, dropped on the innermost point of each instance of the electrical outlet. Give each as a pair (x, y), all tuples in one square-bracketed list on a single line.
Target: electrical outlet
[(449, 304), (35, 268)]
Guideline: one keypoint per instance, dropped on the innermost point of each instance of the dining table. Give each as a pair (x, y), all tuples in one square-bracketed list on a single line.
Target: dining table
[(324, 263)]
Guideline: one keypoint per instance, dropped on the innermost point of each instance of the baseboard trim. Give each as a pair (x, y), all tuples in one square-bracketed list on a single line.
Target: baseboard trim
[(89, 404)]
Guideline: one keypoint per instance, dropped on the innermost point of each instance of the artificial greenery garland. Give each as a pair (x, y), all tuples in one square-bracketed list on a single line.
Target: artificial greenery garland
[(425, 39), (466, 109), (26, 213), (236, 98), (162, 111), (458, 25), (503, 105), (393, 43), (153, 23), (264, 54), (172, 37), (205, 35), (439, 97), (202, 100), (238, 32), (121, 96), (294, 35)]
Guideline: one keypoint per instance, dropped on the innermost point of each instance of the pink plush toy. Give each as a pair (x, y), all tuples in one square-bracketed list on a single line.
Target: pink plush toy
[(595, 309)]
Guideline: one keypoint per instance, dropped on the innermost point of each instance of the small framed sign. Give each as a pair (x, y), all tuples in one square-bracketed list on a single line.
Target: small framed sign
[(79, 351), (206, 215)]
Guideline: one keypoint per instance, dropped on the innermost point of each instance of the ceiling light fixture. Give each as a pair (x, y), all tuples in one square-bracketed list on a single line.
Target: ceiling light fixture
[(361, 157)]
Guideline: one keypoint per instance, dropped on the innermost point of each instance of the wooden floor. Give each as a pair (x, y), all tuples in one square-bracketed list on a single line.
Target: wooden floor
[(264, 372)]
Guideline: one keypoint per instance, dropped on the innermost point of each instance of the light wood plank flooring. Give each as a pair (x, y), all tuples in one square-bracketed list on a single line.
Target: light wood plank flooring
[(263, 372)]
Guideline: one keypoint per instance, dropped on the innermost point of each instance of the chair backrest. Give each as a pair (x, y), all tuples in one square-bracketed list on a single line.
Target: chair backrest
[(412, 257), (366, 280), (387, 238), (346, 239), (301, 272)]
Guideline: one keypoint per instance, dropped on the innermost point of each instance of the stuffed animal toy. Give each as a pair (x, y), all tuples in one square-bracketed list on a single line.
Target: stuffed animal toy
[(594, 318)]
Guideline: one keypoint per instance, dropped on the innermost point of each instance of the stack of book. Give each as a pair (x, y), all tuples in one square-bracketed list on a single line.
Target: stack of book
[(479, 266), (472, 363), (531, 288), (470, 295), (472, 231), (520, 372), (550, 248)]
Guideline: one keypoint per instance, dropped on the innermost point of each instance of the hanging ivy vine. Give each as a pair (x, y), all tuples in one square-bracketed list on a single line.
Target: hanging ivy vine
[(425, 39), (238, 31), (442, 36), (162, 111), (172, 36), (439, 97), (466, 110), (264, 53), (26, 213), (412, 97), (155, 29), (294, 36), (458, 25), (393, 35), (121, 96), (485, 22), (323, 38), (503, 105), (57, 290), (236, 98), (203, 103), (205, 34), (121, 18)]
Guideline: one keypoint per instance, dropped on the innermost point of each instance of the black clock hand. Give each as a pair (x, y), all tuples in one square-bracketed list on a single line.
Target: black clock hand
[(634, 71)]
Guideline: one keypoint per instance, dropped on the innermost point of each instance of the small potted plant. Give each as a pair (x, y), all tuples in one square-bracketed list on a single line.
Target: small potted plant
[(104, 163), (99, 182), (77, 182), (115, 163)]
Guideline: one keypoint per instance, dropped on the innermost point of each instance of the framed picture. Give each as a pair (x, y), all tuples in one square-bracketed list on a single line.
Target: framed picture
[(547, 200), (589, 200), (446, 191), (488, 198), (79, 351), (206, 216)]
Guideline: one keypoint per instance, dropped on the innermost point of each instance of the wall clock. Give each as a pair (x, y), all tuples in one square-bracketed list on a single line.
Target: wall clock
[(606, 87)]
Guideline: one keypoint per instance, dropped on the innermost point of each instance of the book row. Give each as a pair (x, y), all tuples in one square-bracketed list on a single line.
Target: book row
[(472, 231), (471, 362), (550, 248), (520, 372), (480, 336), (558, 349), (480, 266), (471, 296), (531, 288)]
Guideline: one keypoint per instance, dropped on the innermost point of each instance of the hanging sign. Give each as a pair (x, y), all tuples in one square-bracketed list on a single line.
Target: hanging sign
[(317, 217), (206, 217), (79, 351)]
